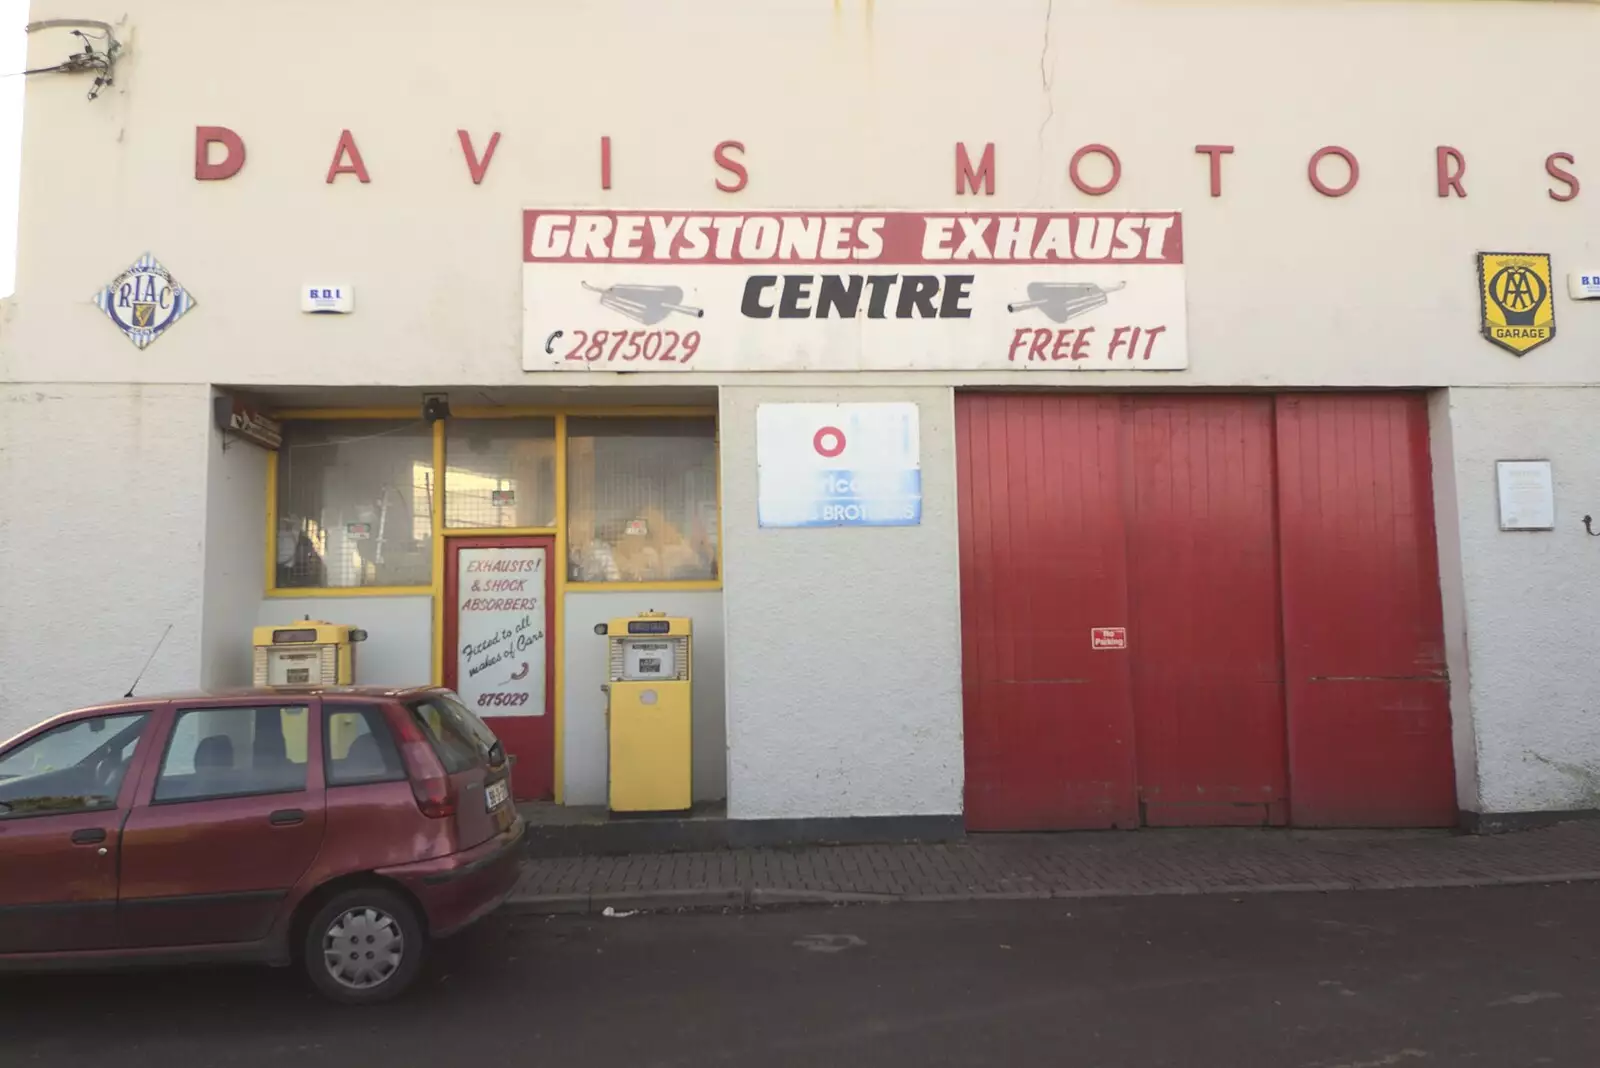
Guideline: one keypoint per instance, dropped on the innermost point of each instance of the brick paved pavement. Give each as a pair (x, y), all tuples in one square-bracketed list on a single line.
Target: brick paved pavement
[(1110, 864)]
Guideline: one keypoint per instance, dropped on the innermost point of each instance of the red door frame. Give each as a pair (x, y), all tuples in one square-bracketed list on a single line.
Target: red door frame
[(531, 740)]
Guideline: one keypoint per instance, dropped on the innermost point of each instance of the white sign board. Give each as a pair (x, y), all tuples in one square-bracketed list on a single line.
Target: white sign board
[(500, 633), (328, 298), (1584, 285), (1527, 495), (852, 291), (838, 465)]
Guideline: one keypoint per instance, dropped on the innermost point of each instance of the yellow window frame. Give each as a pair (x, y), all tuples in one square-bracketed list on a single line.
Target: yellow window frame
[(435, 589)]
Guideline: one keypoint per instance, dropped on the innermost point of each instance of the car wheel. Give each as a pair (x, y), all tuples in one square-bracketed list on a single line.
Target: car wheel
[(364, 946)]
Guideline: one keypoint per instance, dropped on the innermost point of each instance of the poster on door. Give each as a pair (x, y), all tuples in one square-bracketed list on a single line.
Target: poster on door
[(500, 631)]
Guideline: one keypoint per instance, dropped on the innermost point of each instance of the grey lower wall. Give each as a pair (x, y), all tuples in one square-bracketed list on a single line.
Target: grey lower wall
[(1452, 595), (235, 546), (585, 750), (1532, 599), (102, 531), (399, 646), (844, 644)]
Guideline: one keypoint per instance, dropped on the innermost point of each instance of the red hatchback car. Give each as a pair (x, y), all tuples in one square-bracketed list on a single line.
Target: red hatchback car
[(340, 828)]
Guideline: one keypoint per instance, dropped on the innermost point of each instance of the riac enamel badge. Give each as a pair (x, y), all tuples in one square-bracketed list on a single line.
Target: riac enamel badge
[(144, 300)]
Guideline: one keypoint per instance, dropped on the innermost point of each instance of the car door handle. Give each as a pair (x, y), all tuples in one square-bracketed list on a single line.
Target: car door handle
[(286, 817), (89, 836)]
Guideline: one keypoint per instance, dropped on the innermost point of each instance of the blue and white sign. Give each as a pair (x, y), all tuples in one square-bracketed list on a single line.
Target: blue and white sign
[(838, 465), (144, 300), (328, 298)]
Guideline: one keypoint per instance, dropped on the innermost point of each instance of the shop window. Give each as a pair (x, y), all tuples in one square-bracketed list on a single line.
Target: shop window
[(500, 473), (641, 499), (355, 504)]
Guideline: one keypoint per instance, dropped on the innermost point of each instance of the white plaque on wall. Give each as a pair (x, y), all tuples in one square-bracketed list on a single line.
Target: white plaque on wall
[(1527, 494)]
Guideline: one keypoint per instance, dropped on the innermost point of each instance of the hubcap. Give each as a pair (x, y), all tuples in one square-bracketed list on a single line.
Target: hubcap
[(363, 948)]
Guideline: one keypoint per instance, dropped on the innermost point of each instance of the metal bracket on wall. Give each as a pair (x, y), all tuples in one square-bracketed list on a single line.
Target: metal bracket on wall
[(1587, 520), (102, 62)]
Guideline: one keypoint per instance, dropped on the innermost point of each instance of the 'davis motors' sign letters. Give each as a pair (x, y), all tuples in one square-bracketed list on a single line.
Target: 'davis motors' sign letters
[(893, 290)]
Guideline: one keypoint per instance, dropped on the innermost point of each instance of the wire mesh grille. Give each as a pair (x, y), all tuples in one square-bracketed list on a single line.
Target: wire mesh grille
[(500, 473), (641, 499), (355, 504)]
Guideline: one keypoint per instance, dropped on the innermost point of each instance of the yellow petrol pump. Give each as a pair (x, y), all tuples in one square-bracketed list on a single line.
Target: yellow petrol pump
[(648, 712), (309, 653)]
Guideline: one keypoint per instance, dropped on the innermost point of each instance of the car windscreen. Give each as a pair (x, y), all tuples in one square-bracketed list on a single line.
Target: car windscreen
[(462, 740)]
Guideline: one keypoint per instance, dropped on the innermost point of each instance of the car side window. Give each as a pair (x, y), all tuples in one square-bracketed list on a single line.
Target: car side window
[(358, 747), (234, 752), (76, 767)]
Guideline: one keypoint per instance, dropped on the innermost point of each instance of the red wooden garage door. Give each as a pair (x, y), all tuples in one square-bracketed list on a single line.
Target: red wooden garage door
[(1369, 700), (1049, 723), (1272, 561)]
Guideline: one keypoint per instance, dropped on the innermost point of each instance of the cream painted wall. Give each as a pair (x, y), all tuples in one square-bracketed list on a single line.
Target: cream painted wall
[(848, 104), (838, 103)]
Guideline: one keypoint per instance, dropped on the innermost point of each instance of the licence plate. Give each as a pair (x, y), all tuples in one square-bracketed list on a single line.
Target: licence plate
[(497, 794)]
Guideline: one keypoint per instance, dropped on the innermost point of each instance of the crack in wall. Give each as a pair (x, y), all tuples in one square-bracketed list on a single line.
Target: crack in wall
[(1047, 83)]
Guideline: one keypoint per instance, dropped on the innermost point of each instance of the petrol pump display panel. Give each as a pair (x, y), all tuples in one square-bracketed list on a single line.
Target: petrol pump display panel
[(649, 660)]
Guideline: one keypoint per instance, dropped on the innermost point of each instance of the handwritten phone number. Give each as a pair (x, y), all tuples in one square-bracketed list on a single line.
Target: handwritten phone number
[(502, 700), (648, 346)]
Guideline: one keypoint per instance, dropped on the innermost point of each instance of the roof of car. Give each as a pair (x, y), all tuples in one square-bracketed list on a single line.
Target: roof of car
[(246, 692), (235, 694)]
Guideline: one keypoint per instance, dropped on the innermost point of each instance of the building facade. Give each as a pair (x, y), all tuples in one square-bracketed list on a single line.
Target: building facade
[(1088, 414)]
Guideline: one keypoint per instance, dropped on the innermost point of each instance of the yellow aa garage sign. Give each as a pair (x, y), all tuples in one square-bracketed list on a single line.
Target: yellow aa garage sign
[(1519, 304)]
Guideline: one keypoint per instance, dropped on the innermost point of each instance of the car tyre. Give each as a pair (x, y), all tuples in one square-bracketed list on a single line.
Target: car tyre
[(364, 946)]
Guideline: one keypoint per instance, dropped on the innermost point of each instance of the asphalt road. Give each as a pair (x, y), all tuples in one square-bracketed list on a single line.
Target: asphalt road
[(1494, 977)]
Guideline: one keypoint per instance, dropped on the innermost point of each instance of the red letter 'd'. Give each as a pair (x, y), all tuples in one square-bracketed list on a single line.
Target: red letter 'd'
[(605, 163), (1349, 160), (1452, 167), (1216, 152), (732, 166), (1095, 190), (475, 166), (1551, 166), (967, 179), (347, 146), (230, 164)]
